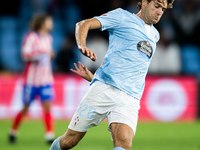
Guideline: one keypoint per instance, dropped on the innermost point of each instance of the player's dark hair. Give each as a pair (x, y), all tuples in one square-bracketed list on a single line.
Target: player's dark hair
[(37, 21), (169, 3)]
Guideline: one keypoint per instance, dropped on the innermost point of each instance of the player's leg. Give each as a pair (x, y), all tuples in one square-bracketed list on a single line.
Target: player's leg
[(123, 121), (19, 117), (28, 97), (48, 121), (68, 140), (46, 94), (85, 117), (16, 123), (122, 136), (89, 113), (79, 127)]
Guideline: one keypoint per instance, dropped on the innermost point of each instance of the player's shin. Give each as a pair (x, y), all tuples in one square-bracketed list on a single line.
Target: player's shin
[(17, 121), (48, 122), (49, 136)]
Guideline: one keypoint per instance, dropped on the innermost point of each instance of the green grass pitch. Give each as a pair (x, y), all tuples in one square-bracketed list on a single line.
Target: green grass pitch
[(149, 136)]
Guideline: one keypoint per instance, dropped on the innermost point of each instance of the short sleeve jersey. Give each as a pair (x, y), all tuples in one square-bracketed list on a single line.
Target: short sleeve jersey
[(130, 51)]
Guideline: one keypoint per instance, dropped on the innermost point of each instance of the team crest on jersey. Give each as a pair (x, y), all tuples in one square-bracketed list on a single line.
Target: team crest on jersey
[(145, 47), (76, 121), (104, 15)]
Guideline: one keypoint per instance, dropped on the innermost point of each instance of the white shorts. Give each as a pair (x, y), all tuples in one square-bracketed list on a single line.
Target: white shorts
[(105, 101)]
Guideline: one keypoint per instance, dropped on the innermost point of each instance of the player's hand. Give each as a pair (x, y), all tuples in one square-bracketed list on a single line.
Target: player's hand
[(82, 71), (51, 54), (88, 52)]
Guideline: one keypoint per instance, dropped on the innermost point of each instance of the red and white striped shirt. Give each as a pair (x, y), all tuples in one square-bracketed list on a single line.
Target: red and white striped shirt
[(36, 51)]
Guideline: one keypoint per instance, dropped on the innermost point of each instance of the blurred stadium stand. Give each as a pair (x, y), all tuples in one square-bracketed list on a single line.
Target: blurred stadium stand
[(180, 26)]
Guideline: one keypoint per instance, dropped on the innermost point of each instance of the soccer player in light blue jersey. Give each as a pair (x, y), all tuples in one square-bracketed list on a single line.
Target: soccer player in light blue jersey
[(117, 86)]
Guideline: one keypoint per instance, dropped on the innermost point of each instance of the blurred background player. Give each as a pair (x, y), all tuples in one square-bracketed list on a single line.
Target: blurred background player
[(38, 79)]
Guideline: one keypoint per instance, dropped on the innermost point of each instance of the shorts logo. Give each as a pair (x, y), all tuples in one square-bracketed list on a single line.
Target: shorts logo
[(145, 47), (76, 121)]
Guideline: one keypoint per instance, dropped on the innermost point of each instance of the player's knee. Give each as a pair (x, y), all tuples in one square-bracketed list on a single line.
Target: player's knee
[(24, 110), (47, 106), (47, 110)]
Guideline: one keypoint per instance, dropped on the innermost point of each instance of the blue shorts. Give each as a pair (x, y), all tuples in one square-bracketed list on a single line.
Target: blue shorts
[(46, 93)]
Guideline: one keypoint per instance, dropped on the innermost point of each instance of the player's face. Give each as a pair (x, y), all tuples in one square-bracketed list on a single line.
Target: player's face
[(154, 11), (48, 24)]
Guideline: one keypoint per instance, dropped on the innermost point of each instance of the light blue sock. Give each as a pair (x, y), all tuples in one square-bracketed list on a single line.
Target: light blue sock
[(56, 144), (118, 148)]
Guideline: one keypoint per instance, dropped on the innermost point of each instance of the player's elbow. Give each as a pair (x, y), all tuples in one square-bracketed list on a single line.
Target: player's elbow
[(80, 24), (77, 25), (84, 24)]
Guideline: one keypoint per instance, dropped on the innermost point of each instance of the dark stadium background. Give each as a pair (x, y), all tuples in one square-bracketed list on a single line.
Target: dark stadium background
[(179, 28), (176, 61)]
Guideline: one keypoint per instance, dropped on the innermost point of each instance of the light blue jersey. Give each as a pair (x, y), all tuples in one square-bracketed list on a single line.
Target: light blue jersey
[(131, 47)]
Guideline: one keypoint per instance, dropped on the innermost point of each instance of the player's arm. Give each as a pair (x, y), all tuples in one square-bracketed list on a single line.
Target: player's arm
[(31, 56), (28, 55), (51, 53), (82, 29), (82, 71)]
